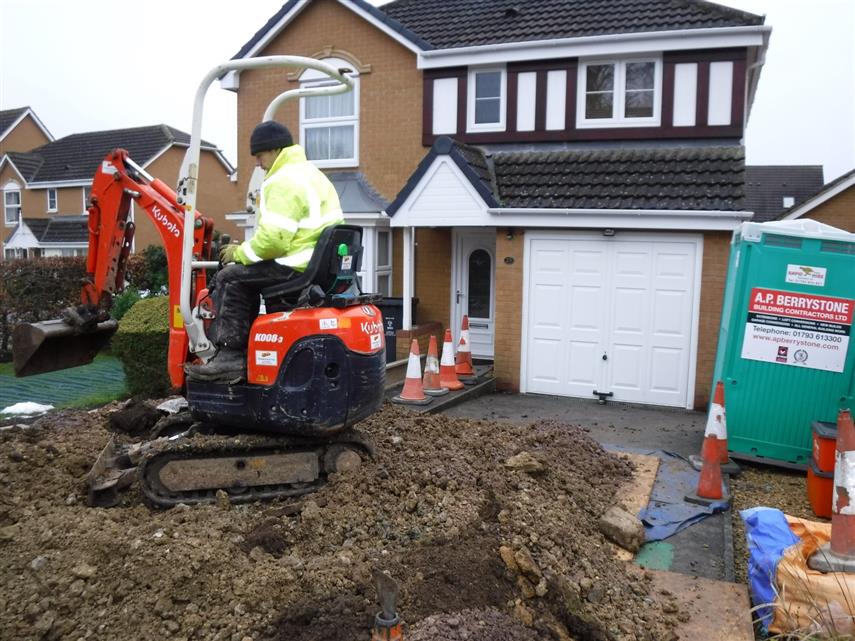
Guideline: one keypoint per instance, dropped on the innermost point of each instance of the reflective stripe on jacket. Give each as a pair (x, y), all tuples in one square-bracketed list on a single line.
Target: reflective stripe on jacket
[(297, 201)]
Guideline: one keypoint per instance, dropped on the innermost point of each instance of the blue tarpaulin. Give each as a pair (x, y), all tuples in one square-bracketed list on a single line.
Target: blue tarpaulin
[(768, 535), (668, 512)]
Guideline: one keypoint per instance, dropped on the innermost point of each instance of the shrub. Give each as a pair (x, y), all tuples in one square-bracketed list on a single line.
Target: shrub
[(123, 302), (141, 343)]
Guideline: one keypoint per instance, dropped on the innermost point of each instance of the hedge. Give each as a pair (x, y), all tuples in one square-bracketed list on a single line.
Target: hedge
[(141, 343)]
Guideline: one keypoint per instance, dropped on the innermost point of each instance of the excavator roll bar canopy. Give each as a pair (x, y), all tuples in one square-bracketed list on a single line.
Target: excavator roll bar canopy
[(76, 338)]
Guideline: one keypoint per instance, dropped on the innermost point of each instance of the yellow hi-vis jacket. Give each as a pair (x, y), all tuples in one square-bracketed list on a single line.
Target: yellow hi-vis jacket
[(297, 201)]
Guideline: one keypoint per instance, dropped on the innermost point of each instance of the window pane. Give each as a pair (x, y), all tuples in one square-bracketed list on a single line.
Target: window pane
[(317, 143), (341, 104), (341, 142), (488, 84), (598, 105), (639, 75), (383, 249), (600, 78), (487, 110), (479, 284), (13, 198), (384, 284), (639, 104), (317, 107)]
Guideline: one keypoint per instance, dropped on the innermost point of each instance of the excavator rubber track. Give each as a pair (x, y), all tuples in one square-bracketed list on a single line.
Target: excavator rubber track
[(247, 467)]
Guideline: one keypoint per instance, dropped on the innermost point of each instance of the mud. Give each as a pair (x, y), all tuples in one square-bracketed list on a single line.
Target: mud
[(484, 543)]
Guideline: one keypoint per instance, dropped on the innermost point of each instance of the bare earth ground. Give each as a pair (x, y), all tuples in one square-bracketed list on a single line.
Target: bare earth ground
[(432, 509)]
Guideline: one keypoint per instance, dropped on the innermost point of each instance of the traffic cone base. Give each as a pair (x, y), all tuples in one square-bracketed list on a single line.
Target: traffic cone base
[(431, 383), (710, 487), (413, 393)]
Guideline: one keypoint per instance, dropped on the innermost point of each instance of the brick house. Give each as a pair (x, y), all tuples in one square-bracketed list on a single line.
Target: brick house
[(568, 174), (46, 189), (833, 205)]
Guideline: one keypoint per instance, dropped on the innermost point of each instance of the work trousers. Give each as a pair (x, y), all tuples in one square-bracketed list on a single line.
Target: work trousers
[(235, 293)]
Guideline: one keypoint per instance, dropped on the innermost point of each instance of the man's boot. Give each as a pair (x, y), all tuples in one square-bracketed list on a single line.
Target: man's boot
[(228, 365)]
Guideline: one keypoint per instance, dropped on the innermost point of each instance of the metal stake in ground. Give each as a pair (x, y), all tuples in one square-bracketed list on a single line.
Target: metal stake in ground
[(839, 554), (387, 623)]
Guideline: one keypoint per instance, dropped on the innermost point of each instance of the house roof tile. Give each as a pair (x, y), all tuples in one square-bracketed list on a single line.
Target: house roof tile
[(76, 157), (485, 22), (57, 229), (9, 116), (767, 185), (356, 194)]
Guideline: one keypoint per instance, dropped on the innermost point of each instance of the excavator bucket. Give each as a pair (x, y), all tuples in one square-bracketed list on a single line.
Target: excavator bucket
[(54, 344)]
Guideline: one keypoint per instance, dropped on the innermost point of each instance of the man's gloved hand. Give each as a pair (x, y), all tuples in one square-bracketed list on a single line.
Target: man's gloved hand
[(227, 253)]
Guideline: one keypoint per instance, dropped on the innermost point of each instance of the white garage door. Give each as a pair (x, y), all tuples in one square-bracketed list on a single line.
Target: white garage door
[(612, 315)]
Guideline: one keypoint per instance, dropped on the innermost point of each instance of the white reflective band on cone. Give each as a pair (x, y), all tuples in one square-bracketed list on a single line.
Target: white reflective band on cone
[(716, 423), (464, 341), (414, 367), (844, 476), (447, 355), (432, 364)]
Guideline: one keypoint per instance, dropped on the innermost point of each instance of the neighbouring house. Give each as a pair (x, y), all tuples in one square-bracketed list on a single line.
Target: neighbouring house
[(770, 190), (46, 189), (21, 129), (833, 204), (568, 174)]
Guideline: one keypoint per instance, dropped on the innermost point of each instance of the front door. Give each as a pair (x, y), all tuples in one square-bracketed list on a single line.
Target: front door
[(473, 290)]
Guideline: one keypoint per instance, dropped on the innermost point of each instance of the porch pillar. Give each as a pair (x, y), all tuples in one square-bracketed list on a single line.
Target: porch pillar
[(408, 275)]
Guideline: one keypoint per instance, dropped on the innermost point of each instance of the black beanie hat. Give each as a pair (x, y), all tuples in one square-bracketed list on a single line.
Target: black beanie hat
[(269, 135)]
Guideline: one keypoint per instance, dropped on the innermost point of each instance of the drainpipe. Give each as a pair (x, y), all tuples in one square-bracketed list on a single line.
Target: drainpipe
[(409, 269)]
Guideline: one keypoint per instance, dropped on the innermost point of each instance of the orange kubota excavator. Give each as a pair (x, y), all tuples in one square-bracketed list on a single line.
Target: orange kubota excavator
[(315, 358)]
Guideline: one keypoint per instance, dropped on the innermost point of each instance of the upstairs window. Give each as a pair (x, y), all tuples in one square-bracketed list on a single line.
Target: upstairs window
[(12, 203), (623, 93), (329, 125), (51, 200), (487, 100)]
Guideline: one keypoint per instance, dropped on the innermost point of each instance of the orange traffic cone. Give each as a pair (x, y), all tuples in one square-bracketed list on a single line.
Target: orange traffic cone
[(463, 361), (717, 428), (431, 380), (413, 393), (447, 375), (709, 484), (839, 554)]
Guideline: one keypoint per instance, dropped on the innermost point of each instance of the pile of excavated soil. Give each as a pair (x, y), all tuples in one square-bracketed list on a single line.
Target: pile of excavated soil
[(490, 530)]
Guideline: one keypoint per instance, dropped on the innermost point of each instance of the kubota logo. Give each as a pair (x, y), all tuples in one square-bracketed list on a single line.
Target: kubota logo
[(163, 219), (372, 327)]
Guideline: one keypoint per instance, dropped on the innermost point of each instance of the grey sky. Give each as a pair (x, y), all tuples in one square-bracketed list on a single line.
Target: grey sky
[(85, 66)]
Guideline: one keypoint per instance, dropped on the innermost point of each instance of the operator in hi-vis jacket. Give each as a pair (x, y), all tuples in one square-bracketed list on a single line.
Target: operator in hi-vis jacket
[(297, 201)]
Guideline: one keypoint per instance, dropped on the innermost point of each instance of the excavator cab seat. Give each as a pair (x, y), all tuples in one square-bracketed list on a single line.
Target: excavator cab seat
[(331, 277)]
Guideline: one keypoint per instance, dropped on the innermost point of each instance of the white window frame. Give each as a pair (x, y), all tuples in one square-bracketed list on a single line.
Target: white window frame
[(471, 125), (51, 191), (8, 188), (383, 270), (619, 103), (311, 78), (87, 191)]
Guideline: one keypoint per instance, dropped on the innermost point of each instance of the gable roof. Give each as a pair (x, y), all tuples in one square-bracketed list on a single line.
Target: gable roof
[(486, 22), (661, 178), (767, 185), (426, 24), (9, 118), (76, 157), (356, 194), (829, 191), (61, 230)]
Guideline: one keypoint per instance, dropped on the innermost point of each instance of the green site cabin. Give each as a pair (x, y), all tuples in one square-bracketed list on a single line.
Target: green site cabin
[(784, 351)]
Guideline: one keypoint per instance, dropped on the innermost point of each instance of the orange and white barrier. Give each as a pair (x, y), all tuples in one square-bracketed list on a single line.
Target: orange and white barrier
[(463, 361), (413, 393), (717, 428), (710, 482), (447, 371), (839, 554), (431, 383)]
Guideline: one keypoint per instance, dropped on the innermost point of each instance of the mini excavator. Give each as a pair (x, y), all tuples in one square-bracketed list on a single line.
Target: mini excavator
[(315, 358)]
